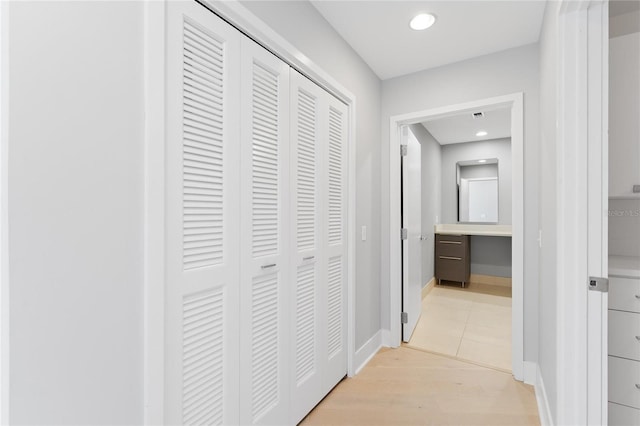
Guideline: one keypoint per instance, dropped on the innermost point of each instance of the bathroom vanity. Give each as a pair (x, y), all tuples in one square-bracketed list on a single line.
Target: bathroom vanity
[(453, 248)]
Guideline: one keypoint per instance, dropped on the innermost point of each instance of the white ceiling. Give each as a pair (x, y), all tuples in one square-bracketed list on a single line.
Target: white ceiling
[(379, 30), (463, 128)]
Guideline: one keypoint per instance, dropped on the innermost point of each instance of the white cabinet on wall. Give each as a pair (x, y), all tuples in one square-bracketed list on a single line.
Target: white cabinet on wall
[(256, 214)]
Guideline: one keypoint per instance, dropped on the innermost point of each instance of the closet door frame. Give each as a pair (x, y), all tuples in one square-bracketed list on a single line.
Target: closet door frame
[(155, 175)]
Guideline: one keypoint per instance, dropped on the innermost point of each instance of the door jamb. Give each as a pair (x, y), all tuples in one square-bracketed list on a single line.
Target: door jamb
[(4, 215), (582, 169), (515, 102), (154, 274)]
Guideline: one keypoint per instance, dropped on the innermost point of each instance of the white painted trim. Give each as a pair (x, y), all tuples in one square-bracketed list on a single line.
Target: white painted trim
[(598, 219), (245, 21), (582, 198), (4, 215), (154, 211), (515, 101), (544, 411), (368, 351), (530, 373), (386, 338)]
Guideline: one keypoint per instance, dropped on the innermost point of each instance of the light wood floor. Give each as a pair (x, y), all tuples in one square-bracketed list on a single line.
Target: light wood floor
[(406, 386), (471, 323)]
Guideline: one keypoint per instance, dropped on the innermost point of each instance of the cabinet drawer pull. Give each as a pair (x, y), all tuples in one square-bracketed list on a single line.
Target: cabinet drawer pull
[(308, 258), (271, 265), (637, 386), (450, 258), (638, 338), (450, 242)]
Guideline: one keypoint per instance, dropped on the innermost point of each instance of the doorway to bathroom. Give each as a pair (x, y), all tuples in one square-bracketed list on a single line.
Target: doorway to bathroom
[(495, 229)]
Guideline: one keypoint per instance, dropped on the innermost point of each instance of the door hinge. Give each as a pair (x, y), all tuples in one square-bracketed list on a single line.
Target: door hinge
[(403, 150), (599, 284), (403, 234), (404, 317)]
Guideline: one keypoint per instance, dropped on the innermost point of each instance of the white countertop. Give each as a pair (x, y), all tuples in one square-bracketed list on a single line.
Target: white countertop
[(473, 229), (624, 266)]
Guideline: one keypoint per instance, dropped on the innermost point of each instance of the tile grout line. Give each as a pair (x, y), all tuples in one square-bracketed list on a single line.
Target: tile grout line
[(466, 322)]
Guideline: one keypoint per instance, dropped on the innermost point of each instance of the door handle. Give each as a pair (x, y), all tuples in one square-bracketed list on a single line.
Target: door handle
[(450, 242), (450, 258)]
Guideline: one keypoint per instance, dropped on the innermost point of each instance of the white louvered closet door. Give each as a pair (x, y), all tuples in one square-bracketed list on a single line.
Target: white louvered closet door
[(264, 236), (202, 183), (334, 363), (307, 106)]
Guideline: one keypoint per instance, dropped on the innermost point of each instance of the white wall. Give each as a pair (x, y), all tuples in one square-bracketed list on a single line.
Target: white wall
[(75, 211), (624, 133), (624, 111), (625, 23), (303, 26), (547, 358), (510, 71), (431, 195)]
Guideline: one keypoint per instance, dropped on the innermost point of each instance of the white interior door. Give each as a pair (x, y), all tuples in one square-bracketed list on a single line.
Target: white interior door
[(202, 182), (412, 246), (264, 235), (307, 135), (334, 243)]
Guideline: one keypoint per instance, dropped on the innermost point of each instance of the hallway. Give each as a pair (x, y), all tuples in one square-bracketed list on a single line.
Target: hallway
[(406, 386)]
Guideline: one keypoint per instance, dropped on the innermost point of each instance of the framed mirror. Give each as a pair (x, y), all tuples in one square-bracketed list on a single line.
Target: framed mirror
[(478, 189)]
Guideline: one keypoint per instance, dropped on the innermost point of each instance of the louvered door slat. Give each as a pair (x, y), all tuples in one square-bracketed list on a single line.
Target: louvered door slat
[(335, 177), (335, 262), (264, 272), (199, 45), (306, 101), (202, 185)]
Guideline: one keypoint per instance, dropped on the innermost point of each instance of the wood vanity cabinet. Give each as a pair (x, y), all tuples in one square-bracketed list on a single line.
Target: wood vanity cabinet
[(452, 261)]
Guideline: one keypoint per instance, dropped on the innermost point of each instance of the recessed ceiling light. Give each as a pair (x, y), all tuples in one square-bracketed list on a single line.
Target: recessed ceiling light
[(482, 161), (422, 21), (481, 133)]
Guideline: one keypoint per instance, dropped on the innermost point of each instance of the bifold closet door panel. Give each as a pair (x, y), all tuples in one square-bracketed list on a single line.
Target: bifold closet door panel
[(308, 123), (264, 238), (335, 263), (202, 183)]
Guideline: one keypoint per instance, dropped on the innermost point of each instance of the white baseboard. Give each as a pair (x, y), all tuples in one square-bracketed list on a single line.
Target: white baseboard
[(368, 350), (386, 338), (427, 288), (490, 280), (530, 373), (543, 403)]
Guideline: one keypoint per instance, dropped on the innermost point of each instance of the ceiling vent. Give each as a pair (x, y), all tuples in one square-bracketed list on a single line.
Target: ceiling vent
[(478, 115)]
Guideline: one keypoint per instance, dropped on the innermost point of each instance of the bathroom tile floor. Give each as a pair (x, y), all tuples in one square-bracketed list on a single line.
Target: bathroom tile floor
[(471, 324)]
